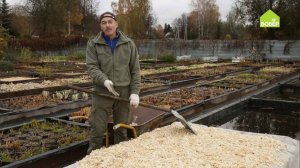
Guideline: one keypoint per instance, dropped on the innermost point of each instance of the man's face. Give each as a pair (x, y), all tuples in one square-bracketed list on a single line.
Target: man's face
[(109, 26)]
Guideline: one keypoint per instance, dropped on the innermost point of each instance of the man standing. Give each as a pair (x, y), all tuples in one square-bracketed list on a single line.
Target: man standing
[(113, 64)]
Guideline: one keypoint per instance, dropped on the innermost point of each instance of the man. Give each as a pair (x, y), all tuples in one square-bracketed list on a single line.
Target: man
[(113, 64)]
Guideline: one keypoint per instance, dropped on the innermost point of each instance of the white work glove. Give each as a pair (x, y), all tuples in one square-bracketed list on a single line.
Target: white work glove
[(134, 100), (110, 87)]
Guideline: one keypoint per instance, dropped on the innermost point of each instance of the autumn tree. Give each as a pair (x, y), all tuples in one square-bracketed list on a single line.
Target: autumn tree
[(207, 17), (61, 17), (21, 22), (134, 17), (90, 22), (192, 25), (159, 32), (288, 10)]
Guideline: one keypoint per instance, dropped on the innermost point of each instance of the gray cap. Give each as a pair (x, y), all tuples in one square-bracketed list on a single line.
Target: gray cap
[(108, 14)]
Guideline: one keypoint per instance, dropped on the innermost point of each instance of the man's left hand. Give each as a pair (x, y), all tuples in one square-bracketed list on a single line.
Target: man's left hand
[(134, 100)]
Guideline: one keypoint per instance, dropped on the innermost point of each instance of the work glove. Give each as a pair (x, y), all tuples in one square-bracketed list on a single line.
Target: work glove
[(110, 87), (134, 100)]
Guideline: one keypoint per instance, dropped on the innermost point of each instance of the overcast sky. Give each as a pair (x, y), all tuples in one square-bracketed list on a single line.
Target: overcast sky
[(165, 10)]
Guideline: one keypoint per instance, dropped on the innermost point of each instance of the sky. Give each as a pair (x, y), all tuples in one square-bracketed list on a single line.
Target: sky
[(165, 10)]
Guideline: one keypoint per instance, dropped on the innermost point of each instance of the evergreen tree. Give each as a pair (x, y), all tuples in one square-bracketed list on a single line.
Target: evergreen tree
[(167, 28), (5, 16)]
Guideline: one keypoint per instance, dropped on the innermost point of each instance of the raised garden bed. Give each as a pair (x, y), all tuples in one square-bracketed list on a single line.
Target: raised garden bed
[(194, 73), (148, 73), (55, 78), (11, 117), (36, 138), (185, 96), (46, 98), (191, 111), (4, 88)]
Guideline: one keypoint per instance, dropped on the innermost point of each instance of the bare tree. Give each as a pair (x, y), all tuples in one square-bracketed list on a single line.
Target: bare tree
[(207, 17)]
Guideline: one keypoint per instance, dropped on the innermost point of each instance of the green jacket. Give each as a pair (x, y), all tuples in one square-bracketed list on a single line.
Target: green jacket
[(122, 67)]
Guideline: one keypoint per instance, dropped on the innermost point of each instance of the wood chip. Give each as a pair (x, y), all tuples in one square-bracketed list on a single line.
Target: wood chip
[(173, 146)]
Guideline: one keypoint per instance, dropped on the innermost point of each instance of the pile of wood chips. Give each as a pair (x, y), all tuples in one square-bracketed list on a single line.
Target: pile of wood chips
[(174, 146)]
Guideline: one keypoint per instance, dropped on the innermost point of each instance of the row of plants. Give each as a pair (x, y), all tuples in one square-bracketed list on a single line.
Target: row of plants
[(44, 99), (178, 68), (58, 82), (197, 73), (36, 138), (262, 75), (151, 84), (185, 96), (229, 84)]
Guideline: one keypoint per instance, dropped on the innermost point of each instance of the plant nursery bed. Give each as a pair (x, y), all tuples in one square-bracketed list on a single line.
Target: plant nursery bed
[(192, 110), (53, 76), (43, 99), (150, 87), (46, 143), (25, 91), (193, 100), (194, 73), (11, 117)]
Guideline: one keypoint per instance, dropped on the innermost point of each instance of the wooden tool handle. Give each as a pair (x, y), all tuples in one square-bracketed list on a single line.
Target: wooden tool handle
[(117, 98)]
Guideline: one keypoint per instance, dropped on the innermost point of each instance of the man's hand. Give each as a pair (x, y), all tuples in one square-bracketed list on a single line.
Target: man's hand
[(110, 87), (134, 100)]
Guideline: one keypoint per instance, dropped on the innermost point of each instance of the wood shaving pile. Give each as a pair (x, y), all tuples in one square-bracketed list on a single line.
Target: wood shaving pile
[(11, 87), (12, 79), (173, 146)]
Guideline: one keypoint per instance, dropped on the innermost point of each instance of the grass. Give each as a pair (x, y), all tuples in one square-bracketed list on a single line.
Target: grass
[(74, 56)]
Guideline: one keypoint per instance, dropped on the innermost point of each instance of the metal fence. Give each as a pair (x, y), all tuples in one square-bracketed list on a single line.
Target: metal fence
[(269, 49)]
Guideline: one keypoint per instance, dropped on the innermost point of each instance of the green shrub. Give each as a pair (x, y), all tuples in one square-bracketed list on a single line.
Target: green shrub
[(25, 56), (6, 66), (3, 41), (44, 72), (167, 56), (76, 56), (147, 57), (11, 55)]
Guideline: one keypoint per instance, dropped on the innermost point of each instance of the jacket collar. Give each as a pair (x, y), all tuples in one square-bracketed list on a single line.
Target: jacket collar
[(100, 40)]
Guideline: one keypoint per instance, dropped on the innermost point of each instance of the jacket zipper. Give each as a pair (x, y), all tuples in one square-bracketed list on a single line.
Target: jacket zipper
[(113, 60)]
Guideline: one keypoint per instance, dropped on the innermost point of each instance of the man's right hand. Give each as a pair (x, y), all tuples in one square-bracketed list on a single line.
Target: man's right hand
[(110, 87)]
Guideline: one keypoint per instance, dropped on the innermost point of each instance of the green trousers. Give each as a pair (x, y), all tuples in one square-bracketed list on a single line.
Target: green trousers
[(101, 109)]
